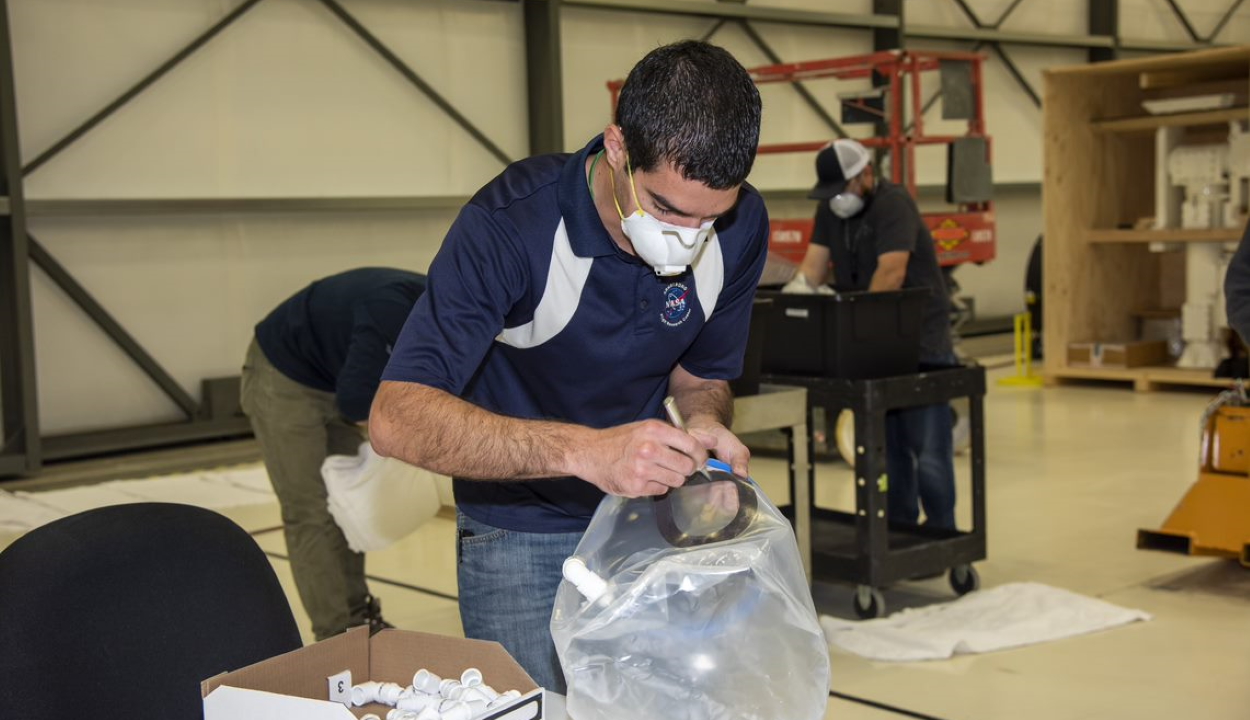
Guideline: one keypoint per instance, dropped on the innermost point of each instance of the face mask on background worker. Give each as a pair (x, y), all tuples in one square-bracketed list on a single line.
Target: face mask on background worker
[(667, 248), (846, 204)]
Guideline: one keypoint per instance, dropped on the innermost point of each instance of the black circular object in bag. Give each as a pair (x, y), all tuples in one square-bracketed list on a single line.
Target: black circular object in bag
[(712, 506)]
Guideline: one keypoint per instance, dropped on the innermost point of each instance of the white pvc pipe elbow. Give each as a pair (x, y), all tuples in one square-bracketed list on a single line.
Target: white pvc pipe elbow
[(365, 693), (389, 693), (472, 677), (426, 682), (590, 585), (417, 702)]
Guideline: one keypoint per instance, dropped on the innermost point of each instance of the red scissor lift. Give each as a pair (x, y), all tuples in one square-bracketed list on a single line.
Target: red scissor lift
[(963, 234)]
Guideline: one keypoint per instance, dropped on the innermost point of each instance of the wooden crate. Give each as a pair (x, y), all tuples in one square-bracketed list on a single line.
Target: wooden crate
[(1099, 181)]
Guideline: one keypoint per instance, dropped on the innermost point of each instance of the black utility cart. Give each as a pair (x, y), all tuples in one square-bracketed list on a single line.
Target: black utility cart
[(860, 352), (863, 547)]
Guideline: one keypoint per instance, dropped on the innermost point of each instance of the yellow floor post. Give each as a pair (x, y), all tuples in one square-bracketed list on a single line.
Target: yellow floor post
[(1023, 352)]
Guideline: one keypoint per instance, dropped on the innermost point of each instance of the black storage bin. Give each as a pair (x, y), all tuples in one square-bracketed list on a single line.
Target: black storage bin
[(748, 383), (853, 335)]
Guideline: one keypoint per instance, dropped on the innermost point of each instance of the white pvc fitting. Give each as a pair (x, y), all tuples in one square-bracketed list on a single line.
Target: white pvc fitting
[(477, 706), (400, 715), (505, 698), (429, 714), (471, 677), (389, 693), (474, 693), (455, 710), (590, 585), (446, 687), (488, 691), (426, 681), (365, 693), (417, 702)]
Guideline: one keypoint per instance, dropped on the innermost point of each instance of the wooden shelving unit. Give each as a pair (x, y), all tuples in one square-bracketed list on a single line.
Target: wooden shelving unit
[(1163, 236), (1147, 123), (1100, 176)]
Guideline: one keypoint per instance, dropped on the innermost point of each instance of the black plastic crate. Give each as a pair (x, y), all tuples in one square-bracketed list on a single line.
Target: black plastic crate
[(854, 335), (748, 383)]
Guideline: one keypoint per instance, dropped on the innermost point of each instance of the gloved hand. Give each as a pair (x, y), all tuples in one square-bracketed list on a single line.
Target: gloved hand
[(798, 286)]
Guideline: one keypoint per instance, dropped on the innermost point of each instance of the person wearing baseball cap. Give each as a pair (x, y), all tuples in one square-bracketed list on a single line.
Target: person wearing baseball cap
[(872, 231)]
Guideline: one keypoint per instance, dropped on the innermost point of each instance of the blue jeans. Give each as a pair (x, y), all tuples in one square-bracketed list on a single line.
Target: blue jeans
[(920, 461), (508, 581)]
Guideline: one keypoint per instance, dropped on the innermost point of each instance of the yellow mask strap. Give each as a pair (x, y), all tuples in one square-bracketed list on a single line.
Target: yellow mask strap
[(632, 191)]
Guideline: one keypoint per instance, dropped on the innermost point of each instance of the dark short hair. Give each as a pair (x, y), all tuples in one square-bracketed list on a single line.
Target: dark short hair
[(693, 105)]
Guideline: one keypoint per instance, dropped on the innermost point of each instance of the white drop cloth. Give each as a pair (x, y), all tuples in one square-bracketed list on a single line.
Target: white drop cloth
[(1004, 617)]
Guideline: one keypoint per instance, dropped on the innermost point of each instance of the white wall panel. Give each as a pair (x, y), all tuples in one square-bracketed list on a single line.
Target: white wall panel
[(289, 102), (189, 289)]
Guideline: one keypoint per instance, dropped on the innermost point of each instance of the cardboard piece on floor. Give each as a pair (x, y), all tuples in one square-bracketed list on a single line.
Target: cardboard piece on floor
[(1141, 353), (294, 685)]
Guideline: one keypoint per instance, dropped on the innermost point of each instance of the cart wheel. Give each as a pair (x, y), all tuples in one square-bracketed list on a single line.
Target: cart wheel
[(964, 579), (844, 435), (869, 603)]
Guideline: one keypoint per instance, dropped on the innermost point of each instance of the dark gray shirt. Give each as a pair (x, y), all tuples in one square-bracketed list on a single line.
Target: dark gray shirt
[(889, 222)]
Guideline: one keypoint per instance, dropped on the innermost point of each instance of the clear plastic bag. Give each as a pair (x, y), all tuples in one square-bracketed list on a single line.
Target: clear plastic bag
[(693, 606)]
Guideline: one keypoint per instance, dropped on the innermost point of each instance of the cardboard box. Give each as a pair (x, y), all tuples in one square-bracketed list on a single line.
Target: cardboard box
[(297, 685), (1118, 355)]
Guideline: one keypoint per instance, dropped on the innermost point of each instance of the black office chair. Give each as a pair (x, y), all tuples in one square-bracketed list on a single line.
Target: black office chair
[(120, 612)]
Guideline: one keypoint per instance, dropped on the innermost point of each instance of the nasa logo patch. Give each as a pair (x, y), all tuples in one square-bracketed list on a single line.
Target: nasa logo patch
[(676, 305)]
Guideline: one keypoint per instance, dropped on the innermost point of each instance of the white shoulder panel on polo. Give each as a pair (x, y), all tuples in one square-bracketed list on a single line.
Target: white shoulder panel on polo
[(566, 278), (709, 275)]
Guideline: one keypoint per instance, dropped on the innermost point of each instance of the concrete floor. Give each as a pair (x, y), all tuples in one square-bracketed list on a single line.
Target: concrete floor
[(1073, 473)]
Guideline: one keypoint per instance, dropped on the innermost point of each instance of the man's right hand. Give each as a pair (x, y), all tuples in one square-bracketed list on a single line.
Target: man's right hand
[(639, 459)]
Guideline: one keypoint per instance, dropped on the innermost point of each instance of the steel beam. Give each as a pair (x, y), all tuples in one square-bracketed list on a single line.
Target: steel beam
[(415, 80), (140, 86), (1019, 77), (1228, 15), (1104, 19), (735, 11), (19, 443), (219, 206), (543, 75), (936, 32), (1184, 20), (799, 87), (888, 38), (85, 301), (1006, 14), (99, 442)]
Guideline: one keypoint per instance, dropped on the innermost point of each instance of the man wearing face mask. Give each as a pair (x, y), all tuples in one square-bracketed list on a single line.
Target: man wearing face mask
[(572, 294), (872, 231)]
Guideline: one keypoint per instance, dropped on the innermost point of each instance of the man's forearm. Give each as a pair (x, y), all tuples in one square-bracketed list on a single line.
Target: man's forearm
[(437, 431), (887, 279), (704, 399)]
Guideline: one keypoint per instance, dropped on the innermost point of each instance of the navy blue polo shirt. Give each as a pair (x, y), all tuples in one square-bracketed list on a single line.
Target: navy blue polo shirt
[(532, 311), (336, 334)]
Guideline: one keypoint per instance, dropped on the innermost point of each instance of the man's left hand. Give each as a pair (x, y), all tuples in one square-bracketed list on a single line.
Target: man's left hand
[(719, 440)]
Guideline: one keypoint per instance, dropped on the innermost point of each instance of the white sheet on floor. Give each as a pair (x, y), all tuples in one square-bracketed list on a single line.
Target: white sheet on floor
[(18, 514), (214, 489), (190, 490), (78, 499), (1004, 617), (253, 479)]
